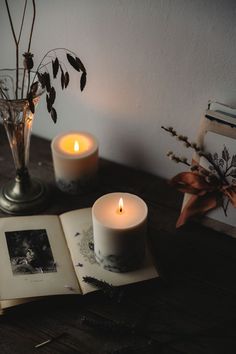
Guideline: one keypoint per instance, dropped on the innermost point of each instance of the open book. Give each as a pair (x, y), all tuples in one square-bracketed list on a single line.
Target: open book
[(49, 255)]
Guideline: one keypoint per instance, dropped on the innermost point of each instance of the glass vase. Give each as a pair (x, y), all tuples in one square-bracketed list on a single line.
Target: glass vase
[(24, 194)]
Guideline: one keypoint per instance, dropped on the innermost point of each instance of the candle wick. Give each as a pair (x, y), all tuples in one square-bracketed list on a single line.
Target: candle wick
[(120, 210), (120, 207)]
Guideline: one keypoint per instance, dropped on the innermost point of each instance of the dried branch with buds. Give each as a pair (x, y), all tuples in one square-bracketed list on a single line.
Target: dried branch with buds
[(220, 167), (194, 146)]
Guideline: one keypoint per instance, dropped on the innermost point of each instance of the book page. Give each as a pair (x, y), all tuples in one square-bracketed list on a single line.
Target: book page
[(78, 231), (34, 258), (5, 304)]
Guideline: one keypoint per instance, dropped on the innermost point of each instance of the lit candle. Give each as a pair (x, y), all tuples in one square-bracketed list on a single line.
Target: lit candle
[(119, 228), (75, 161)]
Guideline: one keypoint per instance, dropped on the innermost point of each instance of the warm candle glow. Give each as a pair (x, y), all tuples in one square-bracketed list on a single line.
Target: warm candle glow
[(75, 143), (121, 206), (76, 146), (111, 212)]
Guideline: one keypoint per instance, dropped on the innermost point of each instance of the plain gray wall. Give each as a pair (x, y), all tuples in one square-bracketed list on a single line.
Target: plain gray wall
[(149, 63)]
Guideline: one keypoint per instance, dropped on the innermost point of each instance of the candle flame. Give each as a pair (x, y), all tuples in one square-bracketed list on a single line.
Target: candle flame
[(76, 146), (121, 206)]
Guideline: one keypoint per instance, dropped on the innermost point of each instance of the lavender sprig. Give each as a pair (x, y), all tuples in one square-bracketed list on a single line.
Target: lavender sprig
[(108, 289), (121, 328), (144, 348), (109, 326), (207, 175)]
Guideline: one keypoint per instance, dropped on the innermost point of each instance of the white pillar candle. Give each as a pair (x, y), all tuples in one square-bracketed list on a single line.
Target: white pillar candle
[(75, 160), (119, 227)]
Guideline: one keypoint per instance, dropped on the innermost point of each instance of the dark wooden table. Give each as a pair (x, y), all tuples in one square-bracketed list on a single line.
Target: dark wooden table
[(190, 309)]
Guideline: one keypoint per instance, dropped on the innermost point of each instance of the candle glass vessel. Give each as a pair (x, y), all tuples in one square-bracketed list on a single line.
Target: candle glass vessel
[(23, 194)]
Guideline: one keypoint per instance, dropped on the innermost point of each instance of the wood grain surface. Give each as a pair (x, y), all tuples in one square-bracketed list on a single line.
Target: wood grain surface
[(190, 309)]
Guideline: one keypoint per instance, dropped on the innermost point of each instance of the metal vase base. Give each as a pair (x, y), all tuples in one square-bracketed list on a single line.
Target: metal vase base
[(26, 197)]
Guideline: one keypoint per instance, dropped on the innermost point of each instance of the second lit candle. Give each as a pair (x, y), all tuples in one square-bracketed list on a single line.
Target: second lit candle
[(75, 160)]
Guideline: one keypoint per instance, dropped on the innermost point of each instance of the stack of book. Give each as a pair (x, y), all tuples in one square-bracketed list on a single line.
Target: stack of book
[(221, 112)]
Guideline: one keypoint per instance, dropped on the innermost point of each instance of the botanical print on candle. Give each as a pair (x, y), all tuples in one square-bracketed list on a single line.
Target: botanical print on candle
[(76, 186), (86, 245), (30, 252)]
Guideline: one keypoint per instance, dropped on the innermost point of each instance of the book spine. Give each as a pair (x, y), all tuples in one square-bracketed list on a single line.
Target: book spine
[(220, 117)]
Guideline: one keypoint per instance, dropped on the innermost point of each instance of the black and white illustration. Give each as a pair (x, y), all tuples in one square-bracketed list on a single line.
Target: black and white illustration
[(30, 252), (224, 158)]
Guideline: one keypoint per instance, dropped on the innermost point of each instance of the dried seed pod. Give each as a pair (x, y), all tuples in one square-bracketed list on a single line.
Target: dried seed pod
[(28, 61)]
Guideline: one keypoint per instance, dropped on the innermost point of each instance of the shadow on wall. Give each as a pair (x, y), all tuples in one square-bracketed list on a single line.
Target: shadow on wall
[(122, 140)]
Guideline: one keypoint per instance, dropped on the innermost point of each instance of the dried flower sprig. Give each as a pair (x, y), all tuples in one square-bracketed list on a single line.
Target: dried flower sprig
[(120, 328), (184, 139), (209, 176), (220, 190), (100, 284), (177, 159), (149, 347), (113, 292), (48, 69), (199, 150), (108, 326)]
